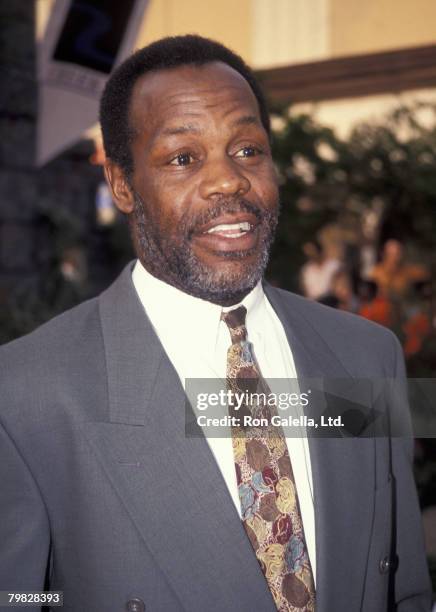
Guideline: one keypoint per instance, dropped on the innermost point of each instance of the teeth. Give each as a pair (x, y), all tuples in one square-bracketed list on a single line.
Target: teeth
[(231, 227)]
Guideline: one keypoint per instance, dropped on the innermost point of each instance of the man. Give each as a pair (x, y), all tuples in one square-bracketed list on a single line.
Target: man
[(104, 497)]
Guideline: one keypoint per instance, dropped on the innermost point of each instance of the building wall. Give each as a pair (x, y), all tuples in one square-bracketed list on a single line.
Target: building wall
[(270, 33), (277, 32), (229, 21), (288, 31), (376, 25), (265, 32)]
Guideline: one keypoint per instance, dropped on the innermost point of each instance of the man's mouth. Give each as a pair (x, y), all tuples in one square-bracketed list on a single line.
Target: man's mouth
[(231, 230)]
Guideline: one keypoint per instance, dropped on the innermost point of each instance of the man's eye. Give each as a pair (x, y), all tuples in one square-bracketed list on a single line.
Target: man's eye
[(182, 159), (248, 152)]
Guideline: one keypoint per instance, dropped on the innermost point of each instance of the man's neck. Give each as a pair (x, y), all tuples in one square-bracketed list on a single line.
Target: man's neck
[(223, 299)]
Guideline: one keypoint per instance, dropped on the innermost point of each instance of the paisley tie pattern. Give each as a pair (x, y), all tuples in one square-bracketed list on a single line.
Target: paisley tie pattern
[(270, 509)]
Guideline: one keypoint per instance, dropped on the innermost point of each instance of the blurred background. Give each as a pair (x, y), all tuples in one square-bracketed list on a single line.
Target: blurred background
[(352, 91)]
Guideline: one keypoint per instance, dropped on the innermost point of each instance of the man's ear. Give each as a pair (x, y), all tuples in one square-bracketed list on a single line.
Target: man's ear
[(121, 192)]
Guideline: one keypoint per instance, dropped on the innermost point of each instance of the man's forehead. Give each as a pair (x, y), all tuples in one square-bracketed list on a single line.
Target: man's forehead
[(187, 91)]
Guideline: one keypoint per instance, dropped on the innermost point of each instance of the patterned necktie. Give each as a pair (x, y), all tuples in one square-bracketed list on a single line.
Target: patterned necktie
[(267, 492)]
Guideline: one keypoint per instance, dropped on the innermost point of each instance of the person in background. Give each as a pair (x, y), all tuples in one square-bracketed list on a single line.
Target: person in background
[(317, 273), (394, 276)]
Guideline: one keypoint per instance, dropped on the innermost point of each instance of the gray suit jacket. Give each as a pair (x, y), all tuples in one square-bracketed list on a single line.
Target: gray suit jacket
[(103, 496)]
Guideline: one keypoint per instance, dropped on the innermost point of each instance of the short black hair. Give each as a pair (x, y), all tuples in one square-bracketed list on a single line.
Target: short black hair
[(163, 54)]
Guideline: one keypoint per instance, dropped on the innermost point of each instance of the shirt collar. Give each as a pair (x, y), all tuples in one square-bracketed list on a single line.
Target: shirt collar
[(176, 315)]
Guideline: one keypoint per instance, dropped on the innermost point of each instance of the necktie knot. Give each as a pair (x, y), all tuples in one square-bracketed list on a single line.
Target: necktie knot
[(235, 321)]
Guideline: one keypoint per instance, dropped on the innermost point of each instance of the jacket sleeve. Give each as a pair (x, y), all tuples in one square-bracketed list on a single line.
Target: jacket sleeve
[(24, 525), (412, 583)]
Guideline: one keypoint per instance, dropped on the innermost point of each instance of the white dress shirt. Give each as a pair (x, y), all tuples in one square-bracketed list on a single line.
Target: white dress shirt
[(196, 341)]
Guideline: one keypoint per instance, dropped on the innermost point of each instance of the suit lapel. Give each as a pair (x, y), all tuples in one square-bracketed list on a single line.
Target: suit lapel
[(342, 470), (170, 484)]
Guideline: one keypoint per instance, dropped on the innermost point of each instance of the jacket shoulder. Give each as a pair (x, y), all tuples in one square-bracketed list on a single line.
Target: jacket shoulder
[(57, 368), (58, 334), (361, 344)]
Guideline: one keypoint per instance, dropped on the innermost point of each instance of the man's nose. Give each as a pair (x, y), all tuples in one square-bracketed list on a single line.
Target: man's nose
[(223, 177)]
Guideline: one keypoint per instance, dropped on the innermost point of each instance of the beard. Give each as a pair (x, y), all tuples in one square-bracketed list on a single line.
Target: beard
[(171, 258)]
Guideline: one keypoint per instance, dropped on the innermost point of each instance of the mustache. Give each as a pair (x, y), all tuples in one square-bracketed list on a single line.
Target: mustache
[(191, 224)]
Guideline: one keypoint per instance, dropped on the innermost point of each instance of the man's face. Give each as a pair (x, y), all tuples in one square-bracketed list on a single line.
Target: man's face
[(203, 195)]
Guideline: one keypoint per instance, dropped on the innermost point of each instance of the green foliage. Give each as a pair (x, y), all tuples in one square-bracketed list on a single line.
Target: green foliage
[(389, 166), (39, 299)]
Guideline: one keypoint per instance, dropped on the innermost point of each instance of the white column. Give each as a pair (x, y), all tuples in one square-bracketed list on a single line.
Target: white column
[(289, 31)]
